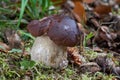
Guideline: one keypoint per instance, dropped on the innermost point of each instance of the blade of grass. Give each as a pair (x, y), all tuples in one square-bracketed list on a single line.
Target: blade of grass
[(90, 35), (3, 10), (23, 5), (35, 8), (26, 34)]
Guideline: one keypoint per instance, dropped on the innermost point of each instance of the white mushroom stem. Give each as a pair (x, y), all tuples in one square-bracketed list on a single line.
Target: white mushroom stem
[(44, 50)]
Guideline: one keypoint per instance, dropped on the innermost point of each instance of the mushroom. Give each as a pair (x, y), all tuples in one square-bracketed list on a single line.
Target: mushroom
[(53, 35)]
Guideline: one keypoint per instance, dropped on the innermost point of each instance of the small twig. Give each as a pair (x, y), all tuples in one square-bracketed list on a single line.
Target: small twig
[(95, 22), (105, 23)]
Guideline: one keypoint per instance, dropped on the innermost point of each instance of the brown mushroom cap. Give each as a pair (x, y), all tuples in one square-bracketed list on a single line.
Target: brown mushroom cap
[(64, 31), (38, 28), (61, 29)]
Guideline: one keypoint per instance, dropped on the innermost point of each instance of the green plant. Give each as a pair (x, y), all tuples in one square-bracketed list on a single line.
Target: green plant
[(89, 36), (23, 5), (8, 14), (5, 69), (86, 77), (69, 72), (15, 51), (102, 76), (37, 9), (90, 54), (27, 64), (30, 9)]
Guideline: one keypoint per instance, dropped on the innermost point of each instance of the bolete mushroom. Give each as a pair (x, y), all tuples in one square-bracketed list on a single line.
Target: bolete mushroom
[(54, 34)]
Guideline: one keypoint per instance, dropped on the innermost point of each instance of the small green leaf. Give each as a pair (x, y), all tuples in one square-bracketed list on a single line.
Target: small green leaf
[(1, 47), (89, 36), (15, 50), (25, 64)]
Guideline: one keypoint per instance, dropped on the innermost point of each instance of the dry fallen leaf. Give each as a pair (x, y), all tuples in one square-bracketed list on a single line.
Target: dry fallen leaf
[(105, 63), (104, 36), (91, 67), (117, 1), (79, 10), (88, 1), (97, 49), (4, 47), (103, 9), (58, 3), (13, 39)]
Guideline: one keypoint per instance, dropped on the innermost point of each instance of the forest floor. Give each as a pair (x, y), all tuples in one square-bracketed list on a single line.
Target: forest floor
[(99, 58)]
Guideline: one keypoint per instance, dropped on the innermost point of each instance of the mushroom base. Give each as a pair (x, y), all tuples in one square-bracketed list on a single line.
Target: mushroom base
[(44, 50)]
